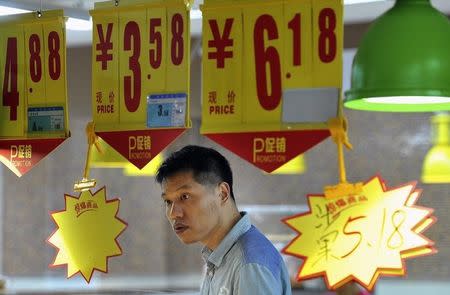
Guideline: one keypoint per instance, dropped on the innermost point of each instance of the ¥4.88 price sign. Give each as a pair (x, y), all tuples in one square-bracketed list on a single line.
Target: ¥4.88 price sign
[(271, 63), (33, 76), (140, 51)]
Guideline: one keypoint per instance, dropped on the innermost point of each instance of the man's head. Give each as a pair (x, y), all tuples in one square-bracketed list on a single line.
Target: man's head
[(207, 165), (197, 190)]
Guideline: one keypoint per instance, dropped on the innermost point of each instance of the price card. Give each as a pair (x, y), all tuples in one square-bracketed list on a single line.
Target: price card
[(271, 67), (87, 232), (33, 86), (140, 55), (360, 237)]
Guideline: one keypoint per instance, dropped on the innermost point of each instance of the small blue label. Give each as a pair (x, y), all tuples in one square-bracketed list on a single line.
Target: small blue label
[(166, 110), (44, 119)]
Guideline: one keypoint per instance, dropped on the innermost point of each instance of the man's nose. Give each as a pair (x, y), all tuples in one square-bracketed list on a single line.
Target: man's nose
[(175, 211)]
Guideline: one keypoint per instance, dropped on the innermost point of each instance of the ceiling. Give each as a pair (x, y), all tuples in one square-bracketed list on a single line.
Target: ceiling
[(353, 14)]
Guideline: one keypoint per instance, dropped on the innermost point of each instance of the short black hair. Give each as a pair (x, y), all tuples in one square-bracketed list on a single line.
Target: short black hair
[(208, 166)]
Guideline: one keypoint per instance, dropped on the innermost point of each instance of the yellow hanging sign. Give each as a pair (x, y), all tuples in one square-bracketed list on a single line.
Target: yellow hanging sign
[(360, 237), (271, 69), (87, 233), (271, 64), (33, 75), (140, 49), (33, 90), (140, 73)]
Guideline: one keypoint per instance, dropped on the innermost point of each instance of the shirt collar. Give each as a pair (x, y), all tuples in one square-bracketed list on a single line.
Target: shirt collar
[(241, 227)]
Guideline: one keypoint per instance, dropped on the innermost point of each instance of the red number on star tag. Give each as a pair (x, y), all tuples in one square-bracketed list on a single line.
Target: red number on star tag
[(10, 92), (132, 41), (295, 26), (263, 56), (34, 46), (155, 55), (54, 59), (177, 44), (327, 37)]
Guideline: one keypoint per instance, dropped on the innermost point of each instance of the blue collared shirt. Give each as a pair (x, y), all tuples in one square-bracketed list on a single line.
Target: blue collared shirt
[(245, 263)]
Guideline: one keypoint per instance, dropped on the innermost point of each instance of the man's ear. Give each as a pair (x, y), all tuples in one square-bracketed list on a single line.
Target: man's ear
[(224, 191)]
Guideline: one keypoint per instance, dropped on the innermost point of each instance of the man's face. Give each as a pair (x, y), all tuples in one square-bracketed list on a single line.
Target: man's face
[(191, 208)]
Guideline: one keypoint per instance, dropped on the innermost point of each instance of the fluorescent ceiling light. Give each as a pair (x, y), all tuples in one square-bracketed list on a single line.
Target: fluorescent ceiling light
[(74, 24), (350, 2), (4, 10), (196, 14)]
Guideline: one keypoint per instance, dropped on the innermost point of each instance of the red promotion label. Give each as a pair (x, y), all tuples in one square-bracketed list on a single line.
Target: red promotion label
[(23, 154), (140, 146), (269, 150)]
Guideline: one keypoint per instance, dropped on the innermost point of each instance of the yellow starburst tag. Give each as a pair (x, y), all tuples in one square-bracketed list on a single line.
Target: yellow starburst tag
[(87, 231), (359, 237)]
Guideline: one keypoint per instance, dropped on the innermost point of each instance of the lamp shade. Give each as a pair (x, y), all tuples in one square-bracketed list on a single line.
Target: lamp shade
[(436, 165), (403, 61)]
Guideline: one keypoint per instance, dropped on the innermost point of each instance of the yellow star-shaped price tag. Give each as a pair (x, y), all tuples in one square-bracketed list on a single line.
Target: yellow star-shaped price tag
[(359, 237), (87, 231)]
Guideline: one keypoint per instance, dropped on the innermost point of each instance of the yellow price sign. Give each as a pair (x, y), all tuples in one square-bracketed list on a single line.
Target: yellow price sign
[(271, 67), (264, 59), (33, 75), (33, 85), (140, 70), (360, 237), (140, 49)]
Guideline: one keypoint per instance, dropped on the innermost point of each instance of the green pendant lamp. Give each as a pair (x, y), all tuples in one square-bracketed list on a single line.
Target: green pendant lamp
[(436, 166), (403, 61)]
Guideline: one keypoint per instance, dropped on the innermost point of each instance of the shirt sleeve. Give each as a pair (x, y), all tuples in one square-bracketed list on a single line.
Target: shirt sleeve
[(257, 279)]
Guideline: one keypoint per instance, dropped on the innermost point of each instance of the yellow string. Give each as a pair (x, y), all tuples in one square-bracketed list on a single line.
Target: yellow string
[(92, 139), (338, 130)]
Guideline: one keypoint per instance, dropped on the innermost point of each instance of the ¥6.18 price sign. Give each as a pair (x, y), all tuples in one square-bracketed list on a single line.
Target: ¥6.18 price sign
[(360, 237), (33, 76), (272, 74), (268, 64), (140, 51)]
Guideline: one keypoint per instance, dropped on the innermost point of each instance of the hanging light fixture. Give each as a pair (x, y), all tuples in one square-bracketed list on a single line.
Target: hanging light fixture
[(436, 166), (403, 61)]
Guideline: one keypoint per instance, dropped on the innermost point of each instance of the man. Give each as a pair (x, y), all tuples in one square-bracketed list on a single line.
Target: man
[(197, 185)]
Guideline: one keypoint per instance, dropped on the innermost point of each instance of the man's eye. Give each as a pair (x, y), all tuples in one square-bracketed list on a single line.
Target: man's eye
[(184, 197), (167, 202)]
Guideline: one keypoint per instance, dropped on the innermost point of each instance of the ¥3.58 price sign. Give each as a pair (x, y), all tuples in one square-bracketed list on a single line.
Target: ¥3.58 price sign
[(140, 66), (33, 109), (270, 66), (140, 51)]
